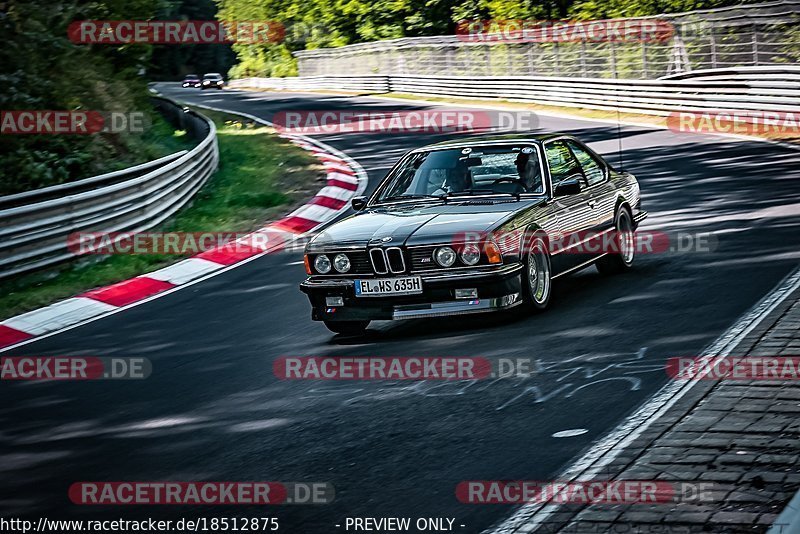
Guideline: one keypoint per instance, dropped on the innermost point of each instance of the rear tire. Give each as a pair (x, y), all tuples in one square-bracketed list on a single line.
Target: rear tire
[(347, 328), (537, 282), (620, 260)]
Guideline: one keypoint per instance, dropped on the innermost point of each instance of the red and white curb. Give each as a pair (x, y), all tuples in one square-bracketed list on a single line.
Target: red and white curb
[(345, 179)]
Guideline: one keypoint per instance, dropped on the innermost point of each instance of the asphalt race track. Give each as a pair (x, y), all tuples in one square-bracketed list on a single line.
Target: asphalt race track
[(213, 410)]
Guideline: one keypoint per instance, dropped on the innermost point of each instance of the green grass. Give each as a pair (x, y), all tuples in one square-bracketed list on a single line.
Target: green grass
[(260, 177)]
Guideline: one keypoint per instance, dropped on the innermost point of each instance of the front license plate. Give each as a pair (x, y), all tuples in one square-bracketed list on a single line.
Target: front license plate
[(407, 285)]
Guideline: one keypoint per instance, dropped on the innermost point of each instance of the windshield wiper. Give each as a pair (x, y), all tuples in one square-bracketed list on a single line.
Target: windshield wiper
[(410, 197), (481, 191)]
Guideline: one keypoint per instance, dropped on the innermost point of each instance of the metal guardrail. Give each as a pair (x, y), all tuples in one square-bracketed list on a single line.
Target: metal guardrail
[(361, 84), (742, 35), (744, 89), (35, 226)]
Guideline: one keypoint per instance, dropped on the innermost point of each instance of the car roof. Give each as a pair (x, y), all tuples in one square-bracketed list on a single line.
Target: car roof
[(493, 139), (213, 74)]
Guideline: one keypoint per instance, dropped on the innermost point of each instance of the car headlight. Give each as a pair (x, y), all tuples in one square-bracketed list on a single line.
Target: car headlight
[(341, 263), (322, 264), (445, 256), (471, 254)]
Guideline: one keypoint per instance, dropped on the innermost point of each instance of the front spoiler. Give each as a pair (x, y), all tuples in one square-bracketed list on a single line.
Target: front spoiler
[(498, 289), (458, 307)]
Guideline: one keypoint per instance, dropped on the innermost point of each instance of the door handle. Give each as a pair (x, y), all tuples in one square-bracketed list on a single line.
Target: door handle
[(592, 203)]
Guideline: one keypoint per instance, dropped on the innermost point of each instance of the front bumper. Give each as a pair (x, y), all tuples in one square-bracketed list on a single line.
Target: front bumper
[(498, 289)]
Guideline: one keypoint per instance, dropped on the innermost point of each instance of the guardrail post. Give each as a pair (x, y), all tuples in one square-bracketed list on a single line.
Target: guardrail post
[(712, 41), (556, 59), (613, 59), (583, 59), (531, 66), (644, 59), (755, 44)]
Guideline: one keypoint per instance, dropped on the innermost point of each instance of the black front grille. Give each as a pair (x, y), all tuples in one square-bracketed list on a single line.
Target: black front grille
[(378, 261), (359, 262), (422, 258), (396, 261)]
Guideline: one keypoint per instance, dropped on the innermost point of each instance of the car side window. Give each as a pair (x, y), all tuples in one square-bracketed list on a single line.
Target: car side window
[(592, 169), (562, 163)]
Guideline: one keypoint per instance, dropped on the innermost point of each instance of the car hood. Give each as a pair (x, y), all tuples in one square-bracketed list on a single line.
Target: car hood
[(418, 224)]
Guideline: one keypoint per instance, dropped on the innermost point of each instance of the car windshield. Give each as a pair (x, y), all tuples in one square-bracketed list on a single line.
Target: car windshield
[(192, 77), (465, 171), (212, 76)]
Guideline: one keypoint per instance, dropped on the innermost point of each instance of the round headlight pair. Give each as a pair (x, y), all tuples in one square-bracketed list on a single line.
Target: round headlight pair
[(446, 256), (471, 254), (323, 265)]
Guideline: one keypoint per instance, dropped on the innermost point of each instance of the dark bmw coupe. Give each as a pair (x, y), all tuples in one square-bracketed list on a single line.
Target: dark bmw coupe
[(473, 226)]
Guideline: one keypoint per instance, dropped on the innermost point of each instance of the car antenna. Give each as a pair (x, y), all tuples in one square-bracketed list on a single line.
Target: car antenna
[(619, 128)]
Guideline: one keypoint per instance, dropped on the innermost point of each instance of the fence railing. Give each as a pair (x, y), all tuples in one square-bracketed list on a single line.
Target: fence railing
[(744, 35), (746, 89), (35, 226)]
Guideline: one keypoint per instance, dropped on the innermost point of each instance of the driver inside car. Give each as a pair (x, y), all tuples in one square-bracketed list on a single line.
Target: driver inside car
[(529, 173), (456, 180)]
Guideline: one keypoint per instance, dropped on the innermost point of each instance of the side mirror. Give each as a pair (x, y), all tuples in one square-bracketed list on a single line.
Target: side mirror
[(570, 186), (359, 203)]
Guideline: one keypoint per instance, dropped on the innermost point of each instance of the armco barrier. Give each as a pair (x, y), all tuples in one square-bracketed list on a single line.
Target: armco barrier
[(746, 89), (35, 225)]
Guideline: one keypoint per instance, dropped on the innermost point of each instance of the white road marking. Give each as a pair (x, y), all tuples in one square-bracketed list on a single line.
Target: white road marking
[(183, 271), (55, 316), (570, 433)]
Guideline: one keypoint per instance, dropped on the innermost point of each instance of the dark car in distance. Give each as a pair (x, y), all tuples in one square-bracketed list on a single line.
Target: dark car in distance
[(191, 80), (212, 80), (472, 226)]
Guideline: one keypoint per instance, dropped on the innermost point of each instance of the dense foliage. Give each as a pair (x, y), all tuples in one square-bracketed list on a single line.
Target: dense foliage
[(325, 23), (41, 69)]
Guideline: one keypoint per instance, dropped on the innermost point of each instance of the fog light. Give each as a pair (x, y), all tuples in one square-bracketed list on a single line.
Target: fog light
[(334, 301), (471, 293)]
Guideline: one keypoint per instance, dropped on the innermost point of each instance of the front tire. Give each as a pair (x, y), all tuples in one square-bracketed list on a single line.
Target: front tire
[(537, 281), (347, 328), (622, 258)]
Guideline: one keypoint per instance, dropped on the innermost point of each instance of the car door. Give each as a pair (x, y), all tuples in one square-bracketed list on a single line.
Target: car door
[(575, 213), (600, 192)]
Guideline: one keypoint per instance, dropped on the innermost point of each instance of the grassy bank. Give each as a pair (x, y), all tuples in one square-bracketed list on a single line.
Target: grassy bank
[(260, 177)]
